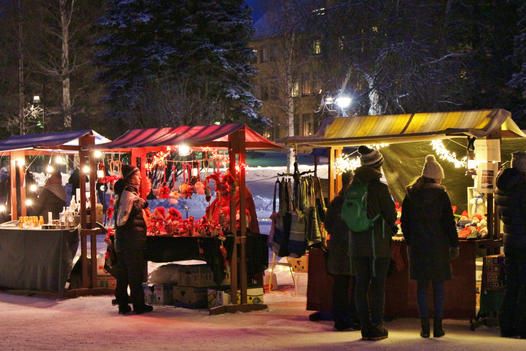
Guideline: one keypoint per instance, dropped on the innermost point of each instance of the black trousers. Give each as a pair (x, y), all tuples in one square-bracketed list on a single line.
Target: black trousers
[(343, 308), (370, 311), (130, 270), (512, 318)]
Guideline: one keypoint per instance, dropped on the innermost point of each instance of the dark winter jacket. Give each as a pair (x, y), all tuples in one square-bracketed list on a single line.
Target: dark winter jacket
[(379, 201), (511, 204), (130, 225), (49, 201), (339, 261), (429, 230)]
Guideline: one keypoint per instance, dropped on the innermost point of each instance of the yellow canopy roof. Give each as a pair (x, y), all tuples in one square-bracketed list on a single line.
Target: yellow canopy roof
[(411, 127)]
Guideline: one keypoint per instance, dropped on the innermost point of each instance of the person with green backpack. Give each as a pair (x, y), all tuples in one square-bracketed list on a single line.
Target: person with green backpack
[(370, 214)]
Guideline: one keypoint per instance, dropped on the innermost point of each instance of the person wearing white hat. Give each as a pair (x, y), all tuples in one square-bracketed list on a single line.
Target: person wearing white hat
[(511, 205), (429, 229)]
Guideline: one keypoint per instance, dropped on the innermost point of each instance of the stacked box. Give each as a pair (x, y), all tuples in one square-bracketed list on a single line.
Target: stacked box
[(197, 276), (222, 297), (493, 271), (190, 297), (149, 296), (162, 294), (106, 281)]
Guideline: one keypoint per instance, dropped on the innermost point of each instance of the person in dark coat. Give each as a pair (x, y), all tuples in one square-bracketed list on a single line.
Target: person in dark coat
[(339, 262), (371, 250), (430, 233), (130, 242), (52, 198), (511, 205)]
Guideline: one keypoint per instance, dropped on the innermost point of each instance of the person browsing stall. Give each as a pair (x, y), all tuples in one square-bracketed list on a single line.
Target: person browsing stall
[(371, 248), (511, 205), (430, 232), (52, 198), (130, 242)]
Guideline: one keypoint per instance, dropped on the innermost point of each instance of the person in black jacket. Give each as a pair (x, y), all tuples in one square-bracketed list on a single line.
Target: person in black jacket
[(130, 242), (511, 205), (371, 250), (431, 236), (339, 262), (52, 198)]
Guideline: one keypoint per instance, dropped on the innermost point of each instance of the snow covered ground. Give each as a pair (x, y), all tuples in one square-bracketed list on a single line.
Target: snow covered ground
[(91, 323)]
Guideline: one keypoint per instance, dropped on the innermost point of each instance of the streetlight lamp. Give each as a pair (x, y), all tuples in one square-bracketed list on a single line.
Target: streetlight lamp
[(338, 104)]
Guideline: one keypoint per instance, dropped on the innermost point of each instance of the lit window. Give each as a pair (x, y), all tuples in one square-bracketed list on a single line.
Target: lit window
[(319, 11), (316, 47), (255, 55), (295, 89), (306, 84), (374, 29)]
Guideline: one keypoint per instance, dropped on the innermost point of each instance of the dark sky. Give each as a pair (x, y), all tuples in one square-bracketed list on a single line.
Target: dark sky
[(257, 8)]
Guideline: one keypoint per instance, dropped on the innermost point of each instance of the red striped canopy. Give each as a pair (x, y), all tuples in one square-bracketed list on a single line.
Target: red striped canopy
[(196, 136)]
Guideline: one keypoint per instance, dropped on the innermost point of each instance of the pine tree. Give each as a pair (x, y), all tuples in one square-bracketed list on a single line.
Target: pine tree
[(200, 47)]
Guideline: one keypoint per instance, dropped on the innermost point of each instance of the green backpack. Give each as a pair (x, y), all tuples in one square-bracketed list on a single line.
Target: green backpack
[(354, 209)]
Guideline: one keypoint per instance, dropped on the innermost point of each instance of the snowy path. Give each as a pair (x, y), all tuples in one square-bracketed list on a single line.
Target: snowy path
[(91, 323)]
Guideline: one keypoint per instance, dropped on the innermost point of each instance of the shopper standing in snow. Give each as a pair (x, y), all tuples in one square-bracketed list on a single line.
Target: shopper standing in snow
[(430, 233), (339, 262), (130, 242), (511, 204), (371, 250)]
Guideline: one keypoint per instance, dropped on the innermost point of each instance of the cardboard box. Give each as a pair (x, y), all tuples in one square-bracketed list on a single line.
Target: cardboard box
[(162, 294), (199, 276), (190, 297), (106, 281), (222, 297)]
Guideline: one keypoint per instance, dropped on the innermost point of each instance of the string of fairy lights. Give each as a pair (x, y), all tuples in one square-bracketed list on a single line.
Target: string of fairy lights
[(349, 162)]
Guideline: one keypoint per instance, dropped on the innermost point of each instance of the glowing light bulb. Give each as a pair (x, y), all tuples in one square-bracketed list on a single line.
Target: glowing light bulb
[(50, 169), (3, 209), (59, 160), (21, 162), (184, 150), (86, 169), (343, 101), (97, 154), (29, 202), (33, 188)]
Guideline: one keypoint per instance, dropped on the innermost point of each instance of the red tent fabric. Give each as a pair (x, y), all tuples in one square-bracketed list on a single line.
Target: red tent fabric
[(197, 136)]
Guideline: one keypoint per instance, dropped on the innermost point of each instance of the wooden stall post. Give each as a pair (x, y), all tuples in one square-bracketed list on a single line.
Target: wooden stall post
[(242, 216), (93, 213), (233, 229), (84, 143), (338, 181)]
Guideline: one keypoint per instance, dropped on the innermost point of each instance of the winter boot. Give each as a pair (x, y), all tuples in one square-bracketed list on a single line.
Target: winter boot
[(142, 309), (437, 328), (124, 309), (424, 332), (375, 333)]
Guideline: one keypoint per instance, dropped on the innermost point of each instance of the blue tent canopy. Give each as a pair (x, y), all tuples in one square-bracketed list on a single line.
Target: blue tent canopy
[(49, 140)]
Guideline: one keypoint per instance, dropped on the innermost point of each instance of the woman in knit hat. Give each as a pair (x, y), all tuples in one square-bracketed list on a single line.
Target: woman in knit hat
[(429, 230), (130, 242)]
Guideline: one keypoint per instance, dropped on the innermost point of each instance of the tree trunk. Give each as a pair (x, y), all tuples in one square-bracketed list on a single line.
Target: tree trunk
[(290, 100), (65, 20), (375, 107), (21, 87)]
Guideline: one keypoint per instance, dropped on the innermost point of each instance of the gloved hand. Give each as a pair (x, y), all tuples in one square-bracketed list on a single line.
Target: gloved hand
[(454, 252)]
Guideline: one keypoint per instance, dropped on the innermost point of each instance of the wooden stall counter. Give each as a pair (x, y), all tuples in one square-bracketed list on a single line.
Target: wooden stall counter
[(461, 291)]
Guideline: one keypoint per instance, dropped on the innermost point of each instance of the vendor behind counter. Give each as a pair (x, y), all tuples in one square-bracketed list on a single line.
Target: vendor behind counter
[(52, 198)]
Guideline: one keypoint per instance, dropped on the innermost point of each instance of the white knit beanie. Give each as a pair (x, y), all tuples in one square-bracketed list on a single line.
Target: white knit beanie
[(432, 169)]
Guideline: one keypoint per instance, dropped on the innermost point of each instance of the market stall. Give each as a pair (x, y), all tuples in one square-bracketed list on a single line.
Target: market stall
[(479, 137), (37, 253), (187, 160)]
